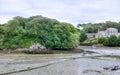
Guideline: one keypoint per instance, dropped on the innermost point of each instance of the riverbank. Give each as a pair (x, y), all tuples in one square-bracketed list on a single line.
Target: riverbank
[(79, 49), (97, 47), (49, 51)]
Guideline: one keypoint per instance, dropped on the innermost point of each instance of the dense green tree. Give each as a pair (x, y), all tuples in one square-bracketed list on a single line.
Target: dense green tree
[(22, 32), (65, 33), (83, 36), (21, 20), (109, 24), (91, 28)]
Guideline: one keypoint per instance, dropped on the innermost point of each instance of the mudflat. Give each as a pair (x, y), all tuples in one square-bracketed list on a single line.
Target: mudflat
[(94, 63)]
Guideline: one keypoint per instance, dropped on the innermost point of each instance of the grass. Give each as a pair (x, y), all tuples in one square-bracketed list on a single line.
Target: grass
[(36, 55), (115, 57)]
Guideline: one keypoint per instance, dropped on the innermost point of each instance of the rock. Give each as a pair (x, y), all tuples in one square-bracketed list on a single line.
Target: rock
[(84, 53), (115, 68), (36, 48), (112, 68)]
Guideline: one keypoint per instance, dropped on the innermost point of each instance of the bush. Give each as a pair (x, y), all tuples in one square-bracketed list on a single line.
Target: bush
[(112, 41), (83, 36), (101, 40), (118, 41), (109, 41), (106, 42), (90, 42)]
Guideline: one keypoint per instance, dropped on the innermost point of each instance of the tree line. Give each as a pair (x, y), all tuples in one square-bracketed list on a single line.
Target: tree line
[(94, 27)]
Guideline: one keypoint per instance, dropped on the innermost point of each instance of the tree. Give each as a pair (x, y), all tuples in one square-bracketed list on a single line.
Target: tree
[(22, 32), (109, 24), (91, 28), (83, 36), (63, 36), (53, 34), (21, 20)]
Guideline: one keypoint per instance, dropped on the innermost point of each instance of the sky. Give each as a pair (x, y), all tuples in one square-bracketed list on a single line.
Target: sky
[(72, 11)]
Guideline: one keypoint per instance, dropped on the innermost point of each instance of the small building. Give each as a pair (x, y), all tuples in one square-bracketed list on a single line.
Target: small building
[(111, 31), (90, 35), (107, 33)]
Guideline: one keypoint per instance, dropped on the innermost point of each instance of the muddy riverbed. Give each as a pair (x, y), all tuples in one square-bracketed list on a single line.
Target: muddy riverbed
[(62, 64)]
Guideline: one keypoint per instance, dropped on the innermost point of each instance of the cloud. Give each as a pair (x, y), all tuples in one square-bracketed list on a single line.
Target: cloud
[(3, 19), (13, 5), (77, 11)]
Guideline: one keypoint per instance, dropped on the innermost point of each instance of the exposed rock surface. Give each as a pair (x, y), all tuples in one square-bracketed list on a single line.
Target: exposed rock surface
[(36, 48)]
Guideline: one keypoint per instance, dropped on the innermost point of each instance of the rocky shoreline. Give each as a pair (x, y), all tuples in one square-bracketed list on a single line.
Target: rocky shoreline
[(79, 49), (37, 51)]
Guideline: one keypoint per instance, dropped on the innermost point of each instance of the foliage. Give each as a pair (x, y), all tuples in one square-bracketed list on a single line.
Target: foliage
[(22, 32), (118, 40), (90, 42), (112, 41), (94, 27), (83, 36), (90, 28), (101, 40), (108, 41), (109, 24)]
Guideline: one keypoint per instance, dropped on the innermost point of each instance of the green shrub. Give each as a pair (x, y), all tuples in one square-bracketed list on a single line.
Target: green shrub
[(106, 42), (118, 41), (101, 40), (90, 42), (109, 41), (83, 36), (112, 41)]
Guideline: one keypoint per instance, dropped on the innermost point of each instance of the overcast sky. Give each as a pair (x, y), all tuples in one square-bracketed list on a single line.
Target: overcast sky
[(73, 11)]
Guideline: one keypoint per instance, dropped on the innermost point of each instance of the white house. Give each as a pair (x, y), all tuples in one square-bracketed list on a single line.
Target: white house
[(107, 33), (111, 31)]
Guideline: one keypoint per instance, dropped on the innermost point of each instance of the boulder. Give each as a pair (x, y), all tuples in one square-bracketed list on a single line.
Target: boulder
[(36, 48), (115, 68)]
